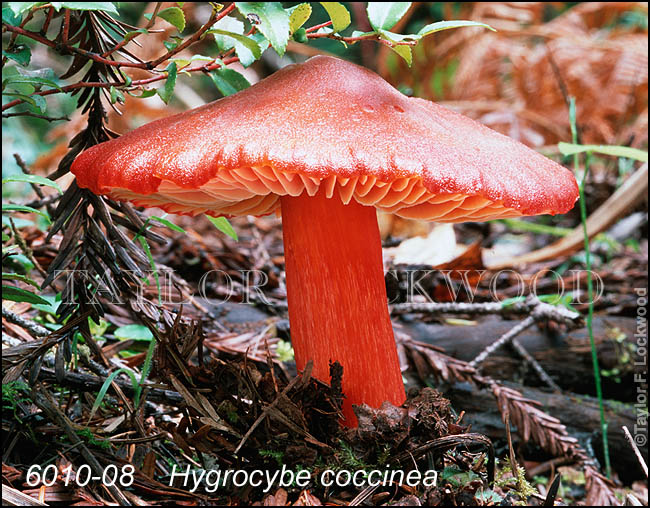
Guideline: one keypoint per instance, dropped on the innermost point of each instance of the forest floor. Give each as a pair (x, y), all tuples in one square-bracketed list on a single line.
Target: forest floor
[(221, 390)]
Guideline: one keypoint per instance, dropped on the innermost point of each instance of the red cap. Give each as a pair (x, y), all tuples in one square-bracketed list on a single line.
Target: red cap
[(326, 122)]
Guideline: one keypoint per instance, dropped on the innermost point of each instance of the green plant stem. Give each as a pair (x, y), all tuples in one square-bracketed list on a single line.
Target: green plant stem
[(590, 292), (533, 227)]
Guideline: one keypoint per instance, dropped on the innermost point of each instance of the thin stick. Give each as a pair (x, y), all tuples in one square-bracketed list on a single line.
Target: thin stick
[(639, 457), (501, 341), (535, 365), (34, 328)]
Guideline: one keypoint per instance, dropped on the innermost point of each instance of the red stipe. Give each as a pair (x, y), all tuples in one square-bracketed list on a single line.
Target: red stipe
[(337, 298)]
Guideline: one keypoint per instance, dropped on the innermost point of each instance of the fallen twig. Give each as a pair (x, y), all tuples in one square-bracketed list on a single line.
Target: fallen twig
[(34, 328), (639, 457)]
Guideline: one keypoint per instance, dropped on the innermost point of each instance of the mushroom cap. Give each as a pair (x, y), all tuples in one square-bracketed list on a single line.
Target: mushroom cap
[(326, 122)]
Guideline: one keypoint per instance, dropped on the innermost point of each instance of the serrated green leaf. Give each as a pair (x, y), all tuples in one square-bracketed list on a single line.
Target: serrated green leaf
[(40, 180), (615, 150), (167, 91), (229, 81), (175, 16), (222, 224), (404, 51), (446, 25), (338, 14), (21, 295), (298, 16), (385, 15), (23, 208), (133, 332), (273, 22)]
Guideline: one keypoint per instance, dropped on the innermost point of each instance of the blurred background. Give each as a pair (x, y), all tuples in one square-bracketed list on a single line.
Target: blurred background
[(516, 80)]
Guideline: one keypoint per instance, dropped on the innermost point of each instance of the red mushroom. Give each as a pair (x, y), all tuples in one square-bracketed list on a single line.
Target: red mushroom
[(327, 142)]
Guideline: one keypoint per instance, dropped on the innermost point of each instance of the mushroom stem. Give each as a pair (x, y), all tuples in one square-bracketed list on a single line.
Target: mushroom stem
[(337, 298)]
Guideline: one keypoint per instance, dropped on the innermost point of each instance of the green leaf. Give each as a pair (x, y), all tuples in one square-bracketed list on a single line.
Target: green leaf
[(241, 43), (273, 21), (23, 208), (146, 369), (228, 81), (385, 15), (53, 302), (394, 37), (230, 25), (167, 91), (9, 17), (248, 48), (21, 295), (102, 391), (116, 96), (86, 6), (130, 35), (21, 278), (39, 103), (403, 51), (445, 25), (34, 81), (40, 180), (175, 16), (170, 45), (20, 7), (168, 223), (24, 97), (147, 92), (615, 150), (222, 224), (133, 332), (20, 54), (298, 16), (338, 14)]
